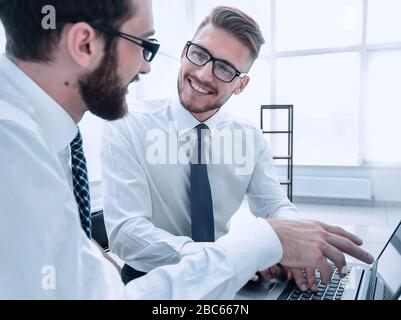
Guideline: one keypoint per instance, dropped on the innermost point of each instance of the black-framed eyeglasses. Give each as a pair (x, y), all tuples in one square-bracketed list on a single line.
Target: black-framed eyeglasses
[(222, 70), (150, 47)]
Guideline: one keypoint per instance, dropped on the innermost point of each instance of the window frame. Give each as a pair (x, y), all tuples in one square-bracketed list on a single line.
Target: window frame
[(364, 49)]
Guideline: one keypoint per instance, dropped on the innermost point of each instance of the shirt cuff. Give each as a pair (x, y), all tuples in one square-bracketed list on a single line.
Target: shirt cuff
[(255, 247)]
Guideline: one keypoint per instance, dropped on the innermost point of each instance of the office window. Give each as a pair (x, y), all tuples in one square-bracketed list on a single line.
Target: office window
[(173, 28), (383, 110), (310, 24), (325, 91), (384, 23)]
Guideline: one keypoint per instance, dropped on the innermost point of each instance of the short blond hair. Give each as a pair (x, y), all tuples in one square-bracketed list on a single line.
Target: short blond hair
[(239, 24)]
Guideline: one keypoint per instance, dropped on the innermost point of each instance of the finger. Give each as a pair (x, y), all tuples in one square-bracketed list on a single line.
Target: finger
[(288, 272), (348, 247), (267, 273), (273, 271), (255, 278), (299, 278), (336, 256), (343, 233), (325, 271), (311, 278)]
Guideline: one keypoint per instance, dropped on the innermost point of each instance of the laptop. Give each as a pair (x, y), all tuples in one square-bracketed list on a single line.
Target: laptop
[(381, 281)]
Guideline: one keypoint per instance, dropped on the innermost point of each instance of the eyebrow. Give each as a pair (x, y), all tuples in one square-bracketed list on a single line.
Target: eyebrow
[(148, 34)]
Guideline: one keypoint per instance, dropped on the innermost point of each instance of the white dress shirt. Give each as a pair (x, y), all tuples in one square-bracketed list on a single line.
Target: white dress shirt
[(44, 252), (147, 201)]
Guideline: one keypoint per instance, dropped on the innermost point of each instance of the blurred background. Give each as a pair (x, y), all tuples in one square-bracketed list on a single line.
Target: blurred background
[(338, 62)]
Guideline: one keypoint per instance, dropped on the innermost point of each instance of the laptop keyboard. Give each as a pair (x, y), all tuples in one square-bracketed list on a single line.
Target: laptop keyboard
[(333, 291)]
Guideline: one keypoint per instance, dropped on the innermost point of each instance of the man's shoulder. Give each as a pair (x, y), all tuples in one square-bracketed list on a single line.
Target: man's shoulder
[(20, 118), (229, 120), (20, 133)]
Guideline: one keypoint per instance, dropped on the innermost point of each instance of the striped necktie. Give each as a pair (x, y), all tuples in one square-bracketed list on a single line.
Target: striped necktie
[(81, 183), (202, 221)]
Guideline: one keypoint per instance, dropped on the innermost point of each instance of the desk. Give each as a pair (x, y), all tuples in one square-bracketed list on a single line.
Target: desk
[(374, 240)]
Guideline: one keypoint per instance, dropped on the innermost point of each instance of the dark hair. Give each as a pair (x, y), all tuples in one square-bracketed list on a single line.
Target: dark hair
[(239, 24), (28, 40)]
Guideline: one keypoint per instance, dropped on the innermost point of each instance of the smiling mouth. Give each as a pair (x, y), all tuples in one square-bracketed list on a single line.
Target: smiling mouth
[(198, 88)]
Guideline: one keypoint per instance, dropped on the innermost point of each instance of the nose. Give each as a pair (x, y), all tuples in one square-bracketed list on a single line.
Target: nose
[(205, 73), (146, 68)]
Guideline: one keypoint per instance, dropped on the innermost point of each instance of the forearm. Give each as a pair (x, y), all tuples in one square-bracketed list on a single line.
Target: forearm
[(145, 247), (218, 272)]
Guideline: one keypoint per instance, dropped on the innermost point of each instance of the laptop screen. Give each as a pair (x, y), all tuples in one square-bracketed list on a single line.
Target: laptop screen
[(389, 264)]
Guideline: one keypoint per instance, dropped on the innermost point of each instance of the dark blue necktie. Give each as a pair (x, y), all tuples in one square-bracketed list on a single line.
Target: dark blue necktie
[(81, 184), (202, 222)]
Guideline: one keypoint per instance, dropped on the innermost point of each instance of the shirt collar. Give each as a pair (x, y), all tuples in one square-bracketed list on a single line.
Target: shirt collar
[(56, 123), (185, 121)]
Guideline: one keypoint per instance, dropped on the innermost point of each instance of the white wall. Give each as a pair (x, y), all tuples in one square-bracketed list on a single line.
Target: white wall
[(386, 181)]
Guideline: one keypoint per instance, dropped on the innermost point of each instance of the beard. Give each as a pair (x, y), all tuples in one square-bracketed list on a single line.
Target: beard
[(191, 107), (102, 90)]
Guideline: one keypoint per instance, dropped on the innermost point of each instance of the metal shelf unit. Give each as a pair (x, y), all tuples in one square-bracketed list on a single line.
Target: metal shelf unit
[(290, 133)]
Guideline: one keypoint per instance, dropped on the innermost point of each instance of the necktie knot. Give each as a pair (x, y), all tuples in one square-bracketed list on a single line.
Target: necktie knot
[(202, 130), (202, 126), (76, 144)]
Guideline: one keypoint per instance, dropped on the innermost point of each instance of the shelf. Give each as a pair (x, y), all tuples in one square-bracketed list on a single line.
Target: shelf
[(282, 132), (277, 107), (288, 158)]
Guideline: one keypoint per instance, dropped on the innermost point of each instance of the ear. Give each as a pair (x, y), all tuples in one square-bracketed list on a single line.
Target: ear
[(84, 46), (242, 85)]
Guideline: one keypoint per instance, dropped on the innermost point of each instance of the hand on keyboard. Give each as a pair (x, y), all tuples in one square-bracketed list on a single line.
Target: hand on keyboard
[(267, 279), (333, 291), (310, 245)]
